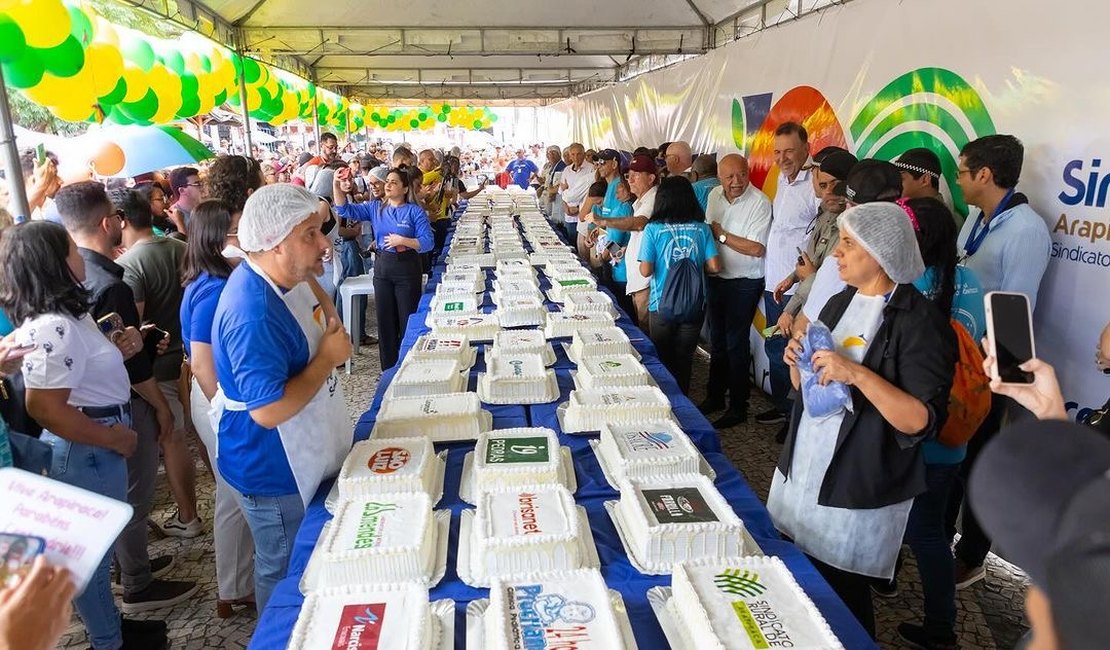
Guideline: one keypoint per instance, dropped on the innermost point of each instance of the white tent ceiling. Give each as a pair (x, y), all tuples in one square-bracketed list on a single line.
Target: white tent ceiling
[(487, 49)]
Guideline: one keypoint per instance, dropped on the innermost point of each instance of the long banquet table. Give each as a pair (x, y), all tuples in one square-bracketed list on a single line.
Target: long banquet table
[(276, 623)]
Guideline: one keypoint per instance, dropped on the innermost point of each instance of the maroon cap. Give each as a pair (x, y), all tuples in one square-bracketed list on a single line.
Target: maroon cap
[(642, 163)]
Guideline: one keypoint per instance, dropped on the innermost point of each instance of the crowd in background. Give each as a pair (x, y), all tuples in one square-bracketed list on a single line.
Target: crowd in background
[(132, 308)]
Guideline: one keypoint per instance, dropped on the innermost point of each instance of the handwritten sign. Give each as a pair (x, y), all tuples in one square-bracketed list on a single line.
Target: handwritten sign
[(79, 526)]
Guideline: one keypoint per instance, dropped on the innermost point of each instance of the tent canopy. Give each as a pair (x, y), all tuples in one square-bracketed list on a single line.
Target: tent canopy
[(487, 50)]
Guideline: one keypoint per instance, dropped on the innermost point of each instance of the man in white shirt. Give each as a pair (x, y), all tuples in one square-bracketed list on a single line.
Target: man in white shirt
[(740, 216), (794, 209), (576, 180), (678, 158)]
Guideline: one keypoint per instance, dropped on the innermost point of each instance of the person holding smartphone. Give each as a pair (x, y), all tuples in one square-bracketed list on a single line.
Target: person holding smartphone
[(78, 389)]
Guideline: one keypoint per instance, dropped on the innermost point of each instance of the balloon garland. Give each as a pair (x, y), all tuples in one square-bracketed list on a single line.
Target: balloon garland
[(62, 55)]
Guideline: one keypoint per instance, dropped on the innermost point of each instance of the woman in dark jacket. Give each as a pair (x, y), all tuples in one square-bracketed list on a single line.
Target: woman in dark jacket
[(846, 481)]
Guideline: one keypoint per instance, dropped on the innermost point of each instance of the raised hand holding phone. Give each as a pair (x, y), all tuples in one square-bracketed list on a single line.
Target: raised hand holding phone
[(1009, 336)]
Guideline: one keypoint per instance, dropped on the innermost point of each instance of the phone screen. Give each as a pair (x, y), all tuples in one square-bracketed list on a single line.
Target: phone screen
[(17, 553), (1013, 339)]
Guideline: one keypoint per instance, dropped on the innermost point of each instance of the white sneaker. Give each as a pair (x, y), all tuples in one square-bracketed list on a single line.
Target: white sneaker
[(174, 527)]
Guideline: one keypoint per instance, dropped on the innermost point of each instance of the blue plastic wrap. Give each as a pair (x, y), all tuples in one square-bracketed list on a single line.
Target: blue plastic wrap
[(820, 400)]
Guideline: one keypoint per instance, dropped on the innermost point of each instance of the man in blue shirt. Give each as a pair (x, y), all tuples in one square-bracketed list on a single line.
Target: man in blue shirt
[(703, 175), (275, 362), (522, 170)]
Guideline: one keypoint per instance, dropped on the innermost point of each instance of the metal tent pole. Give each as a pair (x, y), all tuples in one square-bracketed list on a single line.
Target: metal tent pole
[(12, 169), (246, 113)]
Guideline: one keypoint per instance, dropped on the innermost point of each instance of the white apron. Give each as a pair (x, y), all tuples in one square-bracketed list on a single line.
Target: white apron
[(318, 438)]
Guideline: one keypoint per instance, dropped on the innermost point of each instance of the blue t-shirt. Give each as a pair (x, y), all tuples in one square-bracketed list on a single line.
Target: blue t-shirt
[(521, 171), (663, 244), (257, 347), (6, 326), (614, 208), (198, 310), (968, 310), (407, 220), (702, 189)]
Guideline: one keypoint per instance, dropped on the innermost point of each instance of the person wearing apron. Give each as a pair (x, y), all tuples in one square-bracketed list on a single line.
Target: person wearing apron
[(401, 233), (281, 421), (845, 482)]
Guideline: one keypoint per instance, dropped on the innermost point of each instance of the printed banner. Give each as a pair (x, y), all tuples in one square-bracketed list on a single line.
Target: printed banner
[(881, 77)]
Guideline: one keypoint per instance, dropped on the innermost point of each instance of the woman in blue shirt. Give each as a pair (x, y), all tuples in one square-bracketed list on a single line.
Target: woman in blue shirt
[(401, 232), (677, 231), (212, 231)]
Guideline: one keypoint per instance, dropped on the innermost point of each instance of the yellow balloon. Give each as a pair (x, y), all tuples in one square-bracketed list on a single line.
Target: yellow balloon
[(45, 23), (137, 83), (73, 112), (105, 65), (254, 99)]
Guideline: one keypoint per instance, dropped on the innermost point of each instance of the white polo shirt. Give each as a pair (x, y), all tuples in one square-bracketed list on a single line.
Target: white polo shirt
[(795, 206), (749, 216), (642, 207), (578, 183)]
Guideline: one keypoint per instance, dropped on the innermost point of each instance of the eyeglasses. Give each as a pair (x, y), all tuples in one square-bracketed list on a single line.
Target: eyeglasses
[(961, 172), (120, 214), (194, 184)]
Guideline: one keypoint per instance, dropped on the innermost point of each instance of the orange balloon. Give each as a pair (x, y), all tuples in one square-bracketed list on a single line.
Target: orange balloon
[(108, 160)]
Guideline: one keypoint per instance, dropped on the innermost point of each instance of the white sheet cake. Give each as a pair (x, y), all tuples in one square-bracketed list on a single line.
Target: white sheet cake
[(523, 341), (576, 302), (380, 538), (477, 327), (521, 311), (523, 530), (677, 518), (389, 465), (367, 617), (607, 340), (561, 324), (568, 609), (444, 346), (643, 451), (516, 457), (612, 371), (517, 378), (590, 410), (567, 283), (442, 418), (744, 604), (419, 377)]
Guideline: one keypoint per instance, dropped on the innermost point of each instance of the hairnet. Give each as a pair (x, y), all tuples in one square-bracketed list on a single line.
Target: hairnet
[(271, 213), (884, 231)]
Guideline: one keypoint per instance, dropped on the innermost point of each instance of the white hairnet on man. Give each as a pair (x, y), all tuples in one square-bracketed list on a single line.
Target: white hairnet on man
[(272, 212)]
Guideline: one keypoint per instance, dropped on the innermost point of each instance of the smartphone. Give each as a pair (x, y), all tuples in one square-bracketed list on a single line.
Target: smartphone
[(1010, 335), (109, 324), (17, 553), (801, 259), (614, 248), (40, 154)]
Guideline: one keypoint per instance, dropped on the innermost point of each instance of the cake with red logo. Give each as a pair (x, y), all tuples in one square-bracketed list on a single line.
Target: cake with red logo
[(380, 538), (445, 346), (379, 617), (744, 604), (523, 530), (568, 609), (387, 465), (677, 518)]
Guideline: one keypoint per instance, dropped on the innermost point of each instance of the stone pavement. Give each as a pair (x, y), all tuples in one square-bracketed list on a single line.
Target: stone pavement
[(990, 612)]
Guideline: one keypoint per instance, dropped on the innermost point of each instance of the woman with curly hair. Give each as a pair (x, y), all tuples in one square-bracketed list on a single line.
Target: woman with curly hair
[(232, 179)]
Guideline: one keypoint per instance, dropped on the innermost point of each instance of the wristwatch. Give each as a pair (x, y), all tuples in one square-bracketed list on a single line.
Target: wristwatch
[(722, 238)]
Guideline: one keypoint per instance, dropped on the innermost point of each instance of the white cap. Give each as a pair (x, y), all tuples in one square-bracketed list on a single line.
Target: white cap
[(272, 212)]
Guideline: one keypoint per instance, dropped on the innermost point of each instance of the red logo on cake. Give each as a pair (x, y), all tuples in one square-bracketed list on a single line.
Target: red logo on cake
[(360, 627), (389, 460)]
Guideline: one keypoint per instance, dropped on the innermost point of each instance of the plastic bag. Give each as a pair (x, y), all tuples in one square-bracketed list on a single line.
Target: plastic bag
[(820, 401)]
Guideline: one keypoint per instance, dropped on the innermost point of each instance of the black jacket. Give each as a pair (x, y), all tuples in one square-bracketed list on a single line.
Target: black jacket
[(875, 465), (104, 279)]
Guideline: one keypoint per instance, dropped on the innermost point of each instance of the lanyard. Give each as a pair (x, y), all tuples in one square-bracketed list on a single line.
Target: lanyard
[(975, 239)]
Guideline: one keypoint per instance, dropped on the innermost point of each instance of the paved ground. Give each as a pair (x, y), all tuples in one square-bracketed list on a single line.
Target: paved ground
[(990, 613)]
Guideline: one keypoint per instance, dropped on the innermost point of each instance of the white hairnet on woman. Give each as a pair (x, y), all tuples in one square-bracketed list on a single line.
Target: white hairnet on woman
[(885, 231)]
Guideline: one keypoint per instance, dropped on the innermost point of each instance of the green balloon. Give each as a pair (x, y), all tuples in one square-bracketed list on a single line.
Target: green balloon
[(374, 116), (493, 117), (65, 59), (117, 94), (12, 41), (446, 108), (116, 114), (141, 110), (442, 117), (80, 26), (414, 123), (24, 72), (205, 63), (478, 124), (252, 72), (423, 116), (175, 62), (221, 97), (392, 119), (190, 106), (189, 85), (139, 52)]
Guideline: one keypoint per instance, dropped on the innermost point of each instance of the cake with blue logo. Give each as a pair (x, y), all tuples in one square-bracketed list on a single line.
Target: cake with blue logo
[(517, 378), (648, 449)]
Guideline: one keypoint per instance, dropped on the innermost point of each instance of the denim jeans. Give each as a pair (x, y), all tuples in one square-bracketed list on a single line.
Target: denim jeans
[(775, 348), (675, 343), (274, 522), (104, 472), (732, 305), (926, 537), (353, 264)]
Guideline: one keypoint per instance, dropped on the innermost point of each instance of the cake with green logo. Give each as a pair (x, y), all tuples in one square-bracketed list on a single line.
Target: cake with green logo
[(612, 371), (382, 538), (513, 457)]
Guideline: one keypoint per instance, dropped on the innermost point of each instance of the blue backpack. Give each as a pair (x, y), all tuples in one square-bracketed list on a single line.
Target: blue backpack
[(682, 299)]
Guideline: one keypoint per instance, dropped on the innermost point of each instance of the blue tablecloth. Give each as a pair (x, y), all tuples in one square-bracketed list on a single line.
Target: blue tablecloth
[(277, 621)]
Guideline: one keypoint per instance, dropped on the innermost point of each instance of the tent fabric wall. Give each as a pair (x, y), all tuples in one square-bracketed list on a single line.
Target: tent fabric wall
[(881, 77)]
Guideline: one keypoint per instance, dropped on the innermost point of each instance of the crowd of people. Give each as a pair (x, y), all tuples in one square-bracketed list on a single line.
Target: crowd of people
[(199, 305)]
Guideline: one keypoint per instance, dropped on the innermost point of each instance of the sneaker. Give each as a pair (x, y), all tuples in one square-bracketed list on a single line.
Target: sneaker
[(771, 416), (711, 406), (885, 588), (968, 575), (730, 419), (143, 635), (158, 595), (159, 566), (917, 637), (174, 527)]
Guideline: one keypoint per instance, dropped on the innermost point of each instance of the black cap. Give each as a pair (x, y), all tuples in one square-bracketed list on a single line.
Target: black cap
[(873, 180), (837, 164), (919, 161), (820, 156), (608, 154)]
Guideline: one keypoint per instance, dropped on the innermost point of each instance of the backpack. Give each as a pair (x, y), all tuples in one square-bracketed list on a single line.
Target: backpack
[(969, 401), (682, 299)]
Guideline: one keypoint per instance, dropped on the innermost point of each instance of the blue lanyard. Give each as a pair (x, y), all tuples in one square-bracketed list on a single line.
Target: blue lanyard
[(975, 239)]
